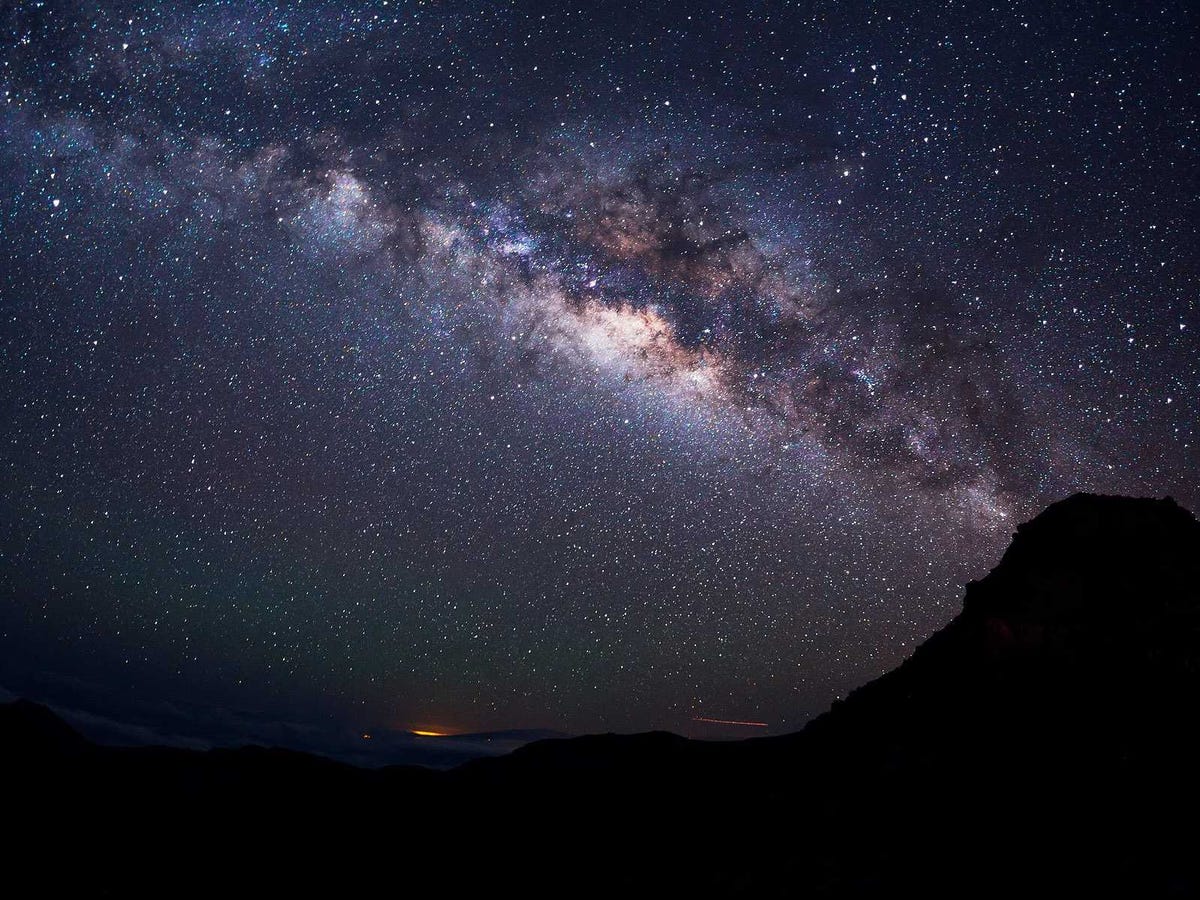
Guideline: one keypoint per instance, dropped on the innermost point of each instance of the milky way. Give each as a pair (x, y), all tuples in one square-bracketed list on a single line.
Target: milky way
[(463, 367)]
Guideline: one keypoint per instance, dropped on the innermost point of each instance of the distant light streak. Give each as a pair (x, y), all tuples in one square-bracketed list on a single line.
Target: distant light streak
[(728, 722), (429, 733)]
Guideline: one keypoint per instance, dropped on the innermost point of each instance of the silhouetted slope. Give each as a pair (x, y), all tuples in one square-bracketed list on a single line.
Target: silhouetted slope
[(1090, 621), (30, 732), (1044, 742)]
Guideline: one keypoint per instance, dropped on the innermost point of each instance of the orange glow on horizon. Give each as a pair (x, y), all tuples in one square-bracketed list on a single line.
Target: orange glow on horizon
[(429, 733)]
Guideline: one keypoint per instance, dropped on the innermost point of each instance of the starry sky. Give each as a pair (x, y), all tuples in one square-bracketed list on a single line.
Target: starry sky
[(466, 366)]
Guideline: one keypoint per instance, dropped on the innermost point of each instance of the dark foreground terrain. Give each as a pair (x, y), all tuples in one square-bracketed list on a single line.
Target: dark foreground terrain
[(1044, 742)]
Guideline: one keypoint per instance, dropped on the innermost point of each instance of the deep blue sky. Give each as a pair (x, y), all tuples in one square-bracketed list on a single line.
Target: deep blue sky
[(394, 365)]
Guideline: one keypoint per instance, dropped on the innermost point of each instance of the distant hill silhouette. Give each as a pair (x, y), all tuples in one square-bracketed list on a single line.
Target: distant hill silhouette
[(1042, 743)]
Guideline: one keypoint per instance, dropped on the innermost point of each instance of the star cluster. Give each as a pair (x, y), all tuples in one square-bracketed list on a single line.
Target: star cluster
[(566, 366)]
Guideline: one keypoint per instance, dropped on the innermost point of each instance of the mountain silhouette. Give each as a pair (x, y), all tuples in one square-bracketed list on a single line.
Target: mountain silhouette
[(1043, 742)]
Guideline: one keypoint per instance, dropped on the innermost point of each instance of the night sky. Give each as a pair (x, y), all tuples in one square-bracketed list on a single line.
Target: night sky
[(506, 365)]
